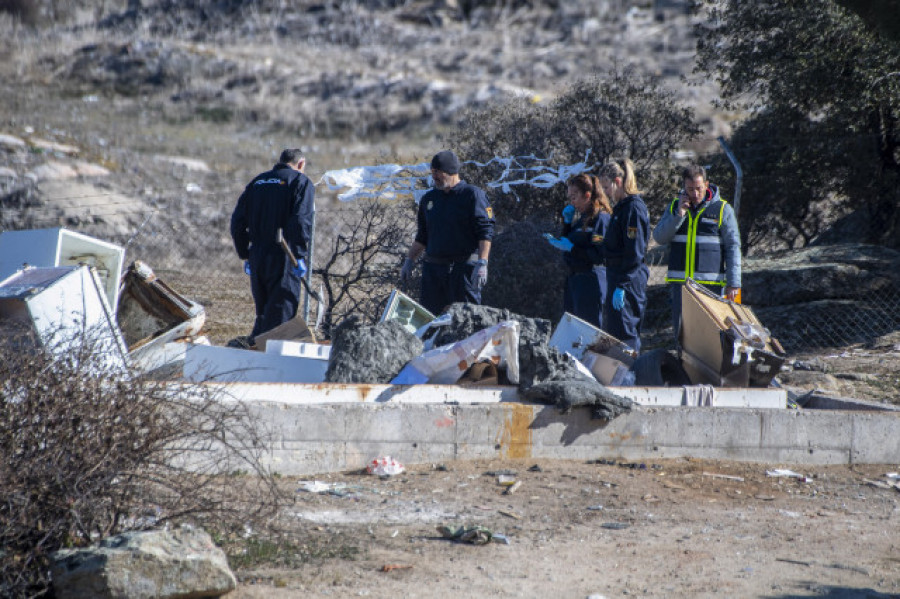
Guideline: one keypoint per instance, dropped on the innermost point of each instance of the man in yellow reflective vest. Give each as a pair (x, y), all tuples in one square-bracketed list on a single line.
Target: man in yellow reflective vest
[(704, 242)]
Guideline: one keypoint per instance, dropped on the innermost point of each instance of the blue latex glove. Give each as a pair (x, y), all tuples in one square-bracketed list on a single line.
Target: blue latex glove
[(247, 267), (406, 270), (481, 273), (618, 299), (300, 269), (562, 244), (568, 214)]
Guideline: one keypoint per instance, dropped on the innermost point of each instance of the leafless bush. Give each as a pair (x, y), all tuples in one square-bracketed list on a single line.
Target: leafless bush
[(361, 264), (87, 451)]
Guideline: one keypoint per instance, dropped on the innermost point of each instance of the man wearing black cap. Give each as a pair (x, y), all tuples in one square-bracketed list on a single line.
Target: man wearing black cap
[(455, 227), (281, 198)]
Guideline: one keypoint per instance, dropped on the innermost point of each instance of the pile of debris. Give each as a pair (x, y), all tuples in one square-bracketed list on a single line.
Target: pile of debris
[(75, 283)]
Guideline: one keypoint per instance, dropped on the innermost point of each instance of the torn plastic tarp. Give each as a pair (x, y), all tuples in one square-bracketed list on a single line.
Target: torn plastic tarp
[(384, 181), (446, 364)]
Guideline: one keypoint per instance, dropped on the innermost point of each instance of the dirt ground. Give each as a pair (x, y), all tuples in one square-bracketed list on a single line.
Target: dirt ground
[(674, 528)]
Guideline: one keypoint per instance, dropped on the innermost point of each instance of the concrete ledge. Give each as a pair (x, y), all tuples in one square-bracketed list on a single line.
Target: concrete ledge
[(316, 438), (299, 393)]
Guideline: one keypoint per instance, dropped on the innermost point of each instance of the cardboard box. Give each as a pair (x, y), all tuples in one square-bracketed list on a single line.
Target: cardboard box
[(723, 343), (295, 329), (607, 370)]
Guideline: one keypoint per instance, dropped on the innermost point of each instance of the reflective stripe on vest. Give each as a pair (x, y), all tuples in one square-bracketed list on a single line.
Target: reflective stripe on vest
[(696, 250)]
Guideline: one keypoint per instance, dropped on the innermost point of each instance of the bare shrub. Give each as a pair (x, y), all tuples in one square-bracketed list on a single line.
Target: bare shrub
[(361, 262), (88, 451)]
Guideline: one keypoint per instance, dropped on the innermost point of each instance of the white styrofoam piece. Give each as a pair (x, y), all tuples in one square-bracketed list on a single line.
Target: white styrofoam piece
[(65, 306), (62, 247), (298, 349), (213, 363)]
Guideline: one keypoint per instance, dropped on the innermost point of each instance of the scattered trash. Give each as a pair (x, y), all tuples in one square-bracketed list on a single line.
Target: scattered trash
[(792, 561), (314, 486), (878, 484), (513, 488), (498, 473), (500, 538), (510, 514), (633, 465), (595, 508), (536, 468), (384, 466), (739, 479), (615, 525), (392, 567), (475, 535), (506, 480), (784, 473)]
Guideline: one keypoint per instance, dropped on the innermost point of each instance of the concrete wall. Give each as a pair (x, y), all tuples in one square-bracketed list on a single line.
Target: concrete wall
[(316, 438)]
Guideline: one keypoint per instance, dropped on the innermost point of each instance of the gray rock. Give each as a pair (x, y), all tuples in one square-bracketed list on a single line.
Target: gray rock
[(157, 564), (370, 353), (820, 272)]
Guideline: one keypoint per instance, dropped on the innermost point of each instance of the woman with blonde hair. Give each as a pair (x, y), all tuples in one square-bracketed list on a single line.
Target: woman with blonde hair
[(624, 247), (585, 219)]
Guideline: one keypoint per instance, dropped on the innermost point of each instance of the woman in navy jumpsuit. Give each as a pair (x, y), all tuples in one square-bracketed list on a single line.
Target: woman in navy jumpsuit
[(624, 247), (585, 220)]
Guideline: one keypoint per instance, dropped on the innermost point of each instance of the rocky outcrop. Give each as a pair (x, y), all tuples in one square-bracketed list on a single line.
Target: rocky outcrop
[(825, 296), (156, 564)]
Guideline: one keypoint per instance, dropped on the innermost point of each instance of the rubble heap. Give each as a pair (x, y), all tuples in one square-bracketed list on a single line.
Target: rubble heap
[(370, 353)]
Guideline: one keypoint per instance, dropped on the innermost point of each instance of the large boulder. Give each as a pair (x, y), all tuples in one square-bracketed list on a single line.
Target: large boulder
[(819, 273), (154, 564)]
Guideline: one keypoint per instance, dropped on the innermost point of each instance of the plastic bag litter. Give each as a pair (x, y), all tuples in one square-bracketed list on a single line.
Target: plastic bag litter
[(384, 466), (313, 486), (446, 364), (784, 473), (475, 535)]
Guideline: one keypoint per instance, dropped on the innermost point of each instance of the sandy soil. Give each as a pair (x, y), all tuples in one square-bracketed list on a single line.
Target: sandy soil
[(679, 528)]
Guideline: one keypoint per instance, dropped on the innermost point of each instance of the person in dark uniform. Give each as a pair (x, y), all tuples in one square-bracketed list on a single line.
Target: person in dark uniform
[(701, 225), (281, 198), (455, 225), (624, 247), (585, 220)]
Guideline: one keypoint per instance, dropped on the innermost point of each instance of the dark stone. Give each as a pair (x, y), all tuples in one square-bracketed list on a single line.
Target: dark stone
[(370, 353)]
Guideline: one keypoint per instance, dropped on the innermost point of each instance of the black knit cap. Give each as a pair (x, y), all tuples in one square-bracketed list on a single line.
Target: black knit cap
[(446, 161)]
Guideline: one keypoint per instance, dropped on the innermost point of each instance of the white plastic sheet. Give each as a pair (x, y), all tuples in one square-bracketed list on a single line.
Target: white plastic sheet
[(392, 181), (446, 364)]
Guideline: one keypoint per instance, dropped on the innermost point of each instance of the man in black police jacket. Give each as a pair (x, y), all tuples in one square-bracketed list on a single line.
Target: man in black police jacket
[(282, 198), (455, 228)]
